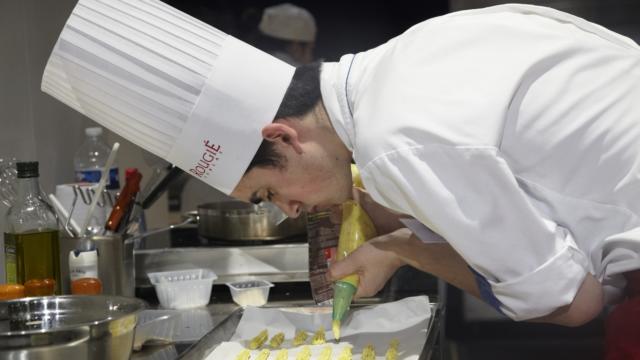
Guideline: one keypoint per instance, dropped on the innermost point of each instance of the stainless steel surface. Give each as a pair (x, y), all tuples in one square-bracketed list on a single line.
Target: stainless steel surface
[(154, 331), (68, 327), (116, 268), (235, 220), (190, 327), (225, 330), (275, 263)]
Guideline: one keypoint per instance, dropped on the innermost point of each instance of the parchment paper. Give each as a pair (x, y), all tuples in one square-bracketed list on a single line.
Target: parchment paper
[(405, 320)]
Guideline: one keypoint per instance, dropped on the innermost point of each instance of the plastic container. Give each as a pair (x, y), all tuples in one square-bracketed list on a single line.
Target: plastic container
[(251, 292), (91, 157), (183, 289)]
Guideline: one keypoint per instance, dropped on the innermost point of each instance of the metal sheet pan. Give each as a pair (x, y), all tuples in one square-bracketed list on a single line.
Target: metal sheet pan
[(225, 330)]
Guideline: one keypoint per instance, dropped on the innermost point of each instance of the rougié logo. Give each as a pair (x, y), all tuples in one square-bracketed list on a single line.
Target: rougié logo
[(210, 155)]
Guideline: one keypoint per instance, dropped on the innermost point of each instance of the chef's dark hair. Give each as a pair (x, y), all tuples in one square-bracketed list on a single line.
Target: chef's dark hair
[(302, 95)]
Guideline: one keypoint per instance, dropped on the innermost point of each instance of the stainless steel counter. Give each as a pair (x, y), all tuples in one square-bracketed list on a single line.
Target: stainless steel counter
[(285, 265), (191, 326), (203, 329), (275, 263)]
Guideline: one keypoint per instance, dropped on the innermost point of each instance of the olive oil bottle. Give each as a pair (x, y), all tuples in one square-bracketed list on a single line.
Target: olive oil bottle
[(32, 245)]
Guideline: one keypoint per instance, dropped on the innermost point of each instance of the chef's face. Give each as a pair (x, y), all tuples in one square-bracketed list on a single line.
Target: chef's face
[(311, 177)]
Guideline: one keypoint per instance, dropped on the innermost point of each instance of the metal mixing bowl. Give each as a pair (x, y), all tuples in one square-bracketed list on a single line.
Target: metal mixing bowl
[(68, 327)]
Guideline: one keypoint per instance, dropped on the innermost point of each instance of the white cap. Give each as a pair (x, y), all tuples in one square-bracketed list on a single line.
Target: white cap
[(169, 83), (93, 131), (288, 22)]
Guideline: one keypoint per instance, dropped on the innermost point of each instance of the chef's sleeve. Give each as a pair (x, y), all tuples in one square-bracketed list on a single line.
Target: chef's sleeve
[(526, 264)]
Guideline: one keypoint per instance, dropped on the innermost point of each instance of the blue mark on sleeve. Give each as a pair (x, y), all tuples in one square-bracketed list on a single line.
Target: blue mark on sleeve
[(485, 291)]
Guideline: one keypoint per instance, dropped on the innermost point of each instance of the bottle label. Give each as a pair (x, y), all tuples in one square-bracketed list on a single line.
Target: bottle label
[(79, 272), (11, 270), (93, 176)]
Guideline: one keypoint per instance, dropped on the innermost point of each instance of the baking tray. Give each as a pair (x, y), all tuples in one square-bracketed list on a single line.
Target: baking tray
[(225, 330)]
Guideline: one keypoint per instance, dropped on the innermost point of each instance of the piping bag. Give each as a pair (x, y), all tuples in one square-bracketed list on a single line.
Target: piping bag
[(356, 228)]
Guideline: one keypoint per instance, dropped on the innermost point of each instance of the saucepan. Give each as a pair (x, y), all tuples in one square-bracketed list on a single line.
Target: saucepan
[(234, 220), (237, 220)]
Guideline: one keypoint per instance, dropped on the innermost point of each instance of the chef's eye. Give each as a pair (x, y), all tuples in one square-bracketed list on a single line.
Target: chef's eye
[(269, 195)]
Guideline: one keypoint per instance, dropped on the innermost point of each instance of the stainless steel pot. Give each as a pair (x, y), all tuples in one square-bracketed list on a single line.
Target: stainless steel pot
[(236, 220), (68, 327)]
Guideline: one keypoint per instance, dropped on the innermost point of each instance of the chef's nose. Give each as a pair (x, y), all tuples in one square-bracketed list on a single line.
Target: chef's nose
[(291, 208)]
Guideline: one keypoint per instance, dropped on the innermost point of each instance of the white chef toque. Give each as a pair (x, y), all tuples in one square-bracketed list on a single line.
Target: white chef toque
[(173, 85), (288, 22)]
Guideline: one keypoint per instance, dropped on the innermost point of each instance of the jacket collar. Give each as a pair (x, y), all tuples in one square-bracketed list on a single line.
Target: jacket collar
[(334, 85)]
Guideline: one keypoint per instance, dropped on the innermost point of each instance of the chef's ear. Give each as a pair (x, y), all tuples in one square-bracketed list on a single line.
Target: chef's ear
[(284, 134)]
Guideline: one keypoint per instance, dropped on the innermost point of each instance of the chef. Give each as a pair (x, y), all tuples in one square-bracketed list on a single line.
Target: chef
[(510, 132), (498, 146)]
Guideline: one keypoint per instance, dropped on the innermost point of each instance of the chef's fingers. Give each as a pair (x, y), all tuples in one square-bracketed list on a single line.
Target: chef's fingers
[(342, 268), (374, 267)]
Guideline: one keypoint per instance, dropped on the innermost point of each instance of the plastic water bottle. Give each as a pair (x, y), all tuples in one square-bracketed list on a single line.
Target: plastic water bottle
[(91, 158)]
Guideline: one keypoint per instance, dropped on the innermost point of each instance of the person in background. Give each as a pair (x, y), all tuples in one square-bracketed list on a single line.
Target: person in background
[(289, 33)]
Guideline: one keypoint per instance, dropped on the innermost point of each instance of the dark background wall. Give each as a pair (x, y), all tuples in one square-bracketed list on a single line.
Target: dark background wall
[(352, 26), (343, 26)]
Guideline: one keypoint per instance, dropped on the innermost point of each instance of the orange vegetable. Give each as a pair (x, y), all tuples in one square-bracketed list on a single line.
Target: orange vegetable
[(39, 287), (86, 286), (11, 291)]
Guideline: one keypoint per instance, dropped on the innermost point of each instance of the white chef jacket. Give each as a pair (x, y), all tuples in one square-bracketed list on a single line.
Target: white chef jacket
[(514, 133)]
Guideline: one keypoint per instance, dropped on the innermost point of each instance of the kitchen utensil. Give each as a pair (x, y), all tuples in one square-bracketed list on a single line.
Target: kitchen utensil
[(116, 266), (236, 220), (183, 289), (87, 191), (101, 185), (191, 220), (160, 186), (74, 229), (125, 201), (250, 292), (68, 327), (77, 198), (158, 183)]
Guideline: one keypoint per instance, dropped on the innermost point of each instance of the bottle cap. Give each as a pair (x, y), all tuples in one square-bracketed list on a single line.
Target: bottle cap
[(93, 131), (27, 169), (129, 171)]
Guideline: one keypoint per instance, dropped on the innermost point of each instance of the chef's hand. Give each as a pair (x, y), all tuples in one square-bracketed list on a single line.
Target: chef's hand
[(374, 261), (385, 220)]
